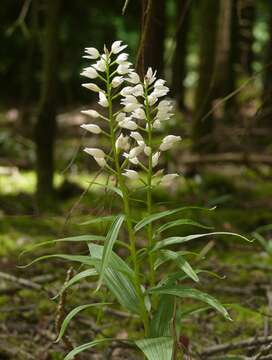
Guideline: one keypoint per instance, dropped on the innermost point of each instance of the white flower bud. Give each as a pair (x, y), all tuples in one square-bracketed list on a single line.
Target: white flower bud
[(128, 124), (139, 114), (117, 81), (138, 90), (147, 150), (136, 151), (133, 78), (96, 153), (92, 87), (123, 68), (167, 179), (131, 174), (127, 90), (116, 47), (94, 129), (103, 101), (89, 72), (100, 161), (121, 58), (168, 142), (91, 113), (155, 159), (100, 65), (137, 136), (152, 99), (156, 124), (92, 52), (120, 117), (150, 77), (159, 82), (122, 142)]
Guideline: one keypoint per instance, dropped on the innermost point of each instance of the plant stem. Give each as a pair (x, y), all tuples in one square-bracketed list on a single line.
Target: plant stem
[(126, 205), (149, 187)]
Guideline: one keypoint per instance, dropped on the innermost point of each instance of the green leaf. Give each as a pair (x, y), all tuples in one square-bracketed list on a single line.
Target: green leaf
[(118, 279), (84, 347), (109, 242), (180, 262), (72, 314), (182, 239), (112, 188), (77, 278), (156, 348), (99, 219), (179, 222), (186, 292), (83, 259), (81, 238), (162, 320), (149, 219)]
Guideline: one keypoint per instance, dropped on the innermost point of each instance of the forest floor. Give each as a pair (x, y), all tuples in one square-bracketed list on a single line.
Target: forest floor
[(243, 200)]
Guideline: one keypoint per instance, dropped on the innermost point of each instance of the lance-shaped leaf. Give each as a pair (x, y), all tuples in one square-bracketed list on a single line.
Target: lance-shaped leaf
[(186, 292), (156, 348), (180, 222), (161, 322), (118, 278), (149, 219), (109, 242), (182, 239), (83, 259), (84, 347), (98, 220), (72, 314)]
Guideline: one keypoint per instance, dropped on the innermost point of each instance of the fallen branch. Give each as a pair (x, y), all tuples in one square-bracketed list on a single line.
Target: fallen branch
[(254, 341)]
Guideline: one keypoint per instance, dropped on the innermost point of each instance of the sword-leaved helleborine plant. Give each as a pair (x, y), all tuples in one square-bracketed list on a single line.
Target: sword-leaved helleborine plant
[(132, 117)]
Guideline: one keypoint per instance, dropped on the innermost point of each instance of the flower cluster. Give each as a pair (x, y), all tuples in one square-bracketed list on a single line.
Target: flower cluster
[(140, 111)]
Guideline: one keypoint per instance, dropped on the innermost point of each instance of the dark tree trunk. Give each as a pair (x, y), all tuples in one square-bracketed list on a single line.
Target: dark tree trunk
[(28, 86), (151, 47), (45, 131), (247, 15), (203, 122), (179, 59)]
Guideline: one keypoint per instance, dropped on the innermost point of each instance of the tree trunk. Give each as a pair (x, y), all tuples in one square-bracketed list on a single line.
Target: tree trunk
[(151, 47), (247, 15), (45, 131), (203, 121), (179, 59)]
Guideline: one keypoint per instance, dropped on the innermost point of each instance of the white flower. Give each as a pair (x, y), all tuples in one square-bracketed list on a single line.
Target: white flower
[(94, 129), (116, 47), (155, 159), (168, 142), (136, 151), (89, 72), (137, 136), (138, 90), (128, 124), (117, 81), (123, 68), (100, 161), (120, 117), (103, 101), (131, 174), (167, 179), (92, 52), (100, 65), (156, 124), (121, 58), (122, 142), (127, 90), (133, 78), (91, 113), (92, 87), (138, 114), (150, 77), (159, 82), (160, 91), (152, 99), (147, 150), (130, 103), (96, 153)]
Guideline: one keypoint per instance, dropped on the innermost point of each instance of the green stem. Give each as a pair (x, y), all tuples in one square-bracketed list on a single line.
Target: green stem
[(126, 205), (149, 187)]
